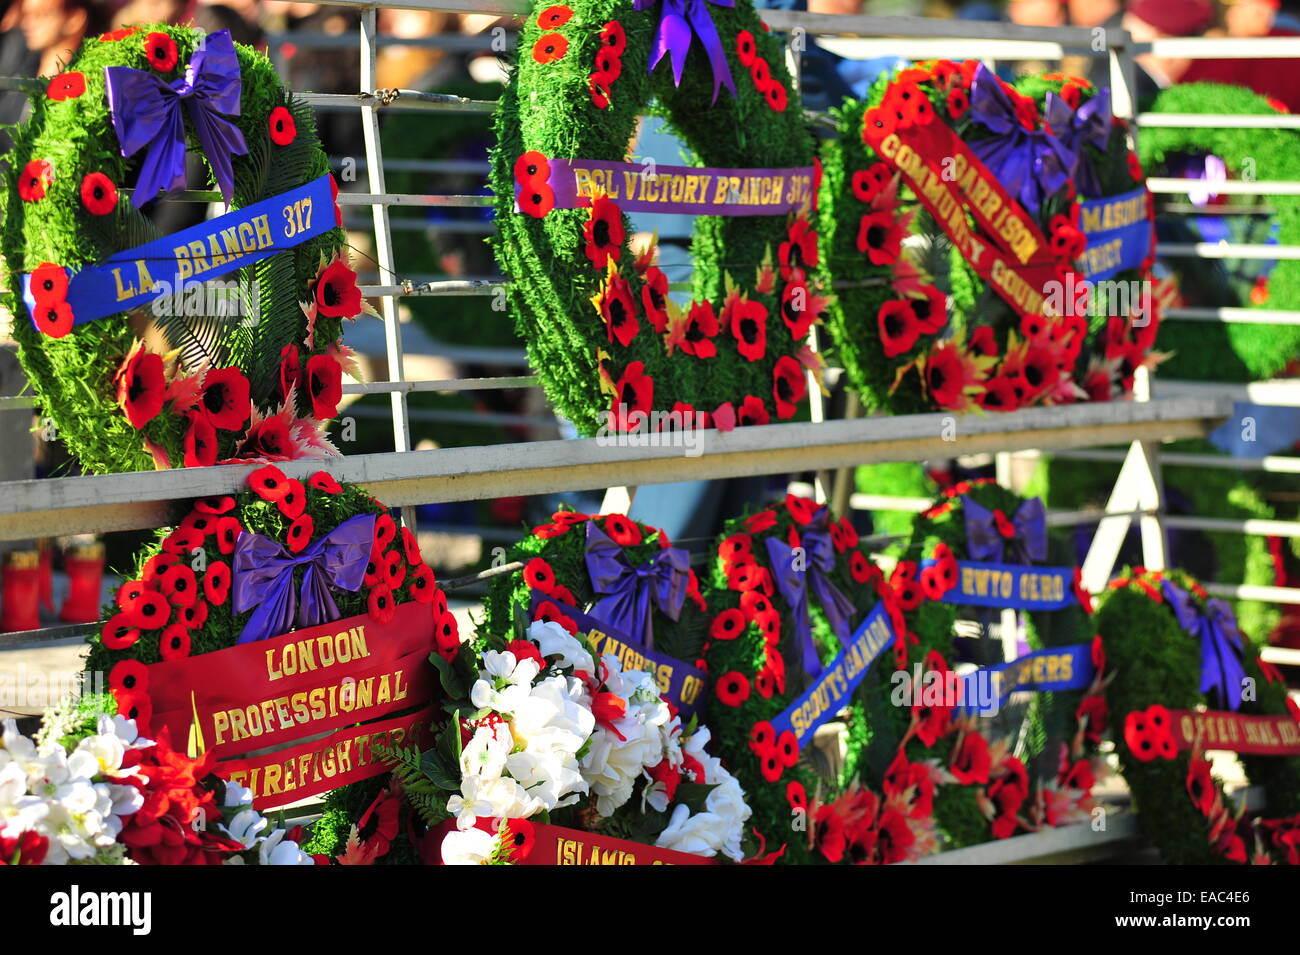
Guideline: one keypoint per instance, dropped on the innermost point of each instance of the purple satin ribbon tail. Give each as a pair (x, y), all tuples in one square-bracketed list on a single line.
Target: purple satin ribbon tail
[(630, 594), (1222, 672), (678, 22)]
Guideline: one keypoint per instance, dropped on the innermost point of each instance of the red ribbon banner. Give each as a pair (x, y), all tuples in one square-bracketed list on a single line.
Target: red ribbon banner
[(1236, 732), (1009, 251), (555, 845), (271, 693)]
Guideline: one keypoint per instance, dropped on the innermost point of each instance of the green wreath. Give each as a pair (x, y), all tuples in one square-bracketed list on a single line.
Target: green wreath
[(601, 332), (983, 791), (756, 666), (196, 389), (922, 330), (1157, 667), (1201, 349)]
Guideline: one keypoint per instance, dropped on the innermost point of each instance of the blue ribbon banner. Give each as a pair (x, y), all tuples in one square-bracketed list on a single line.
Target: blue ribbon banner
[(1010, 586), (166, 266), (984, 691), (680, 683), (831, 690), (1118, 231)]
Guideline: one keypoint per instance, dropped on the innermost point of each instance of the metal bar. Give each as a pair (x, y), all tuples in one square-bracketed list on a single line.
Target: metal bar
[(1057, 845), (1250, 525), (53, 507), (1218, 121), (1227, 250), (1235, 316), (411, 199), (1264, 187), (1276, 595), (383, 242), (447, 287), (828, 24), (447, 384), (1223, 48), (1280, 393), (1273, 464), (929, 48), (405, 100)]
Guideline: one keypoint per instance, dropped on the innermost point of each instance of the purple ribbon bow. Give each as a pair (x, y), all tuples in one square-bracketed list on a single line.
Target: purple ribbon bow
[(677, 22), (146, 112), (1221, 650), (792, 580), (1031, 165), (262, 577), (1089, 125), (632, 592), (985, 542)]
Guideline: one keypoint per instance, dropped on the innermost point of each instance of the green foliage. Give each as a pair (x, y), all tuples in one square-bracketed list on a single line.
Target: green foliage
[(1237, 351), (549, 108), (73, 375)]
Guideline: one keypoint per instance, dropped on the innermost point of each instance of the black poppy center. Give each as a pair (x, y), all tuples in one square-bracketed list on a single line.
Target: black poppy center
[(600, 232), (876, 236), (628, 395), (136, 389), (531, 170), (784, 389), (214, 398), (694, 333), (331, 295), (656, 299), (537, 199), (149, 609), (894, 324), (937, 377), (994, 399), (617, 312), (749, 330), (921, 308), (271, 443), (317, 386), (129, 682), (1034, 375)]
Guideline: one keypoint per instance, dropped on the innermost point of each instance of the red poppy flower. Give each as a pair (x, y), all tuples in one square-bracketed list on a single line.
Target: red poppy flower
[(746, 49), (446, 635), (802, 510), (411, 547), (224, 398), (776, 97), (798, 253), (613, 38), (760, 521), (608, 66), (178, 584), (98, 194), (598, 86), (742, 577), (971, 761), (228, 531), (53, 318), (135, 705), (323, 481), (944, 377), (752, 411), (536, 197), (216, 582), (34, 180), (755, 603), (49, 283), (269, 483), (765, 684), (424, 585), (325, 385), (380, 604), (385, 533), (931, 309), (394, 570), (760, 73), (762, 737), (796, 795), (66, 86), (982, 342), (563, 595), (119, 631), (701, 326), (787, 748), (654, 298), (880, 122), (789, 386), (880, 237), (621, 531), (747, 320), (728, 625), (281, 126), (1066, 242), (539, 576), (336, 292), (617, 309), (299, 533), (1147, 734), (958, 103), (732, 688), (294, 500), (603, 232), (868, 183), (796, 308), (553, 17), (290, 369), (735, 548), (131, 676), (155, 565), (175, 642), (859, 567), (1000, 394), (634, 396), (140, 386), (160, 51), (195, 616), (550, 47), (214, 506), (128, 593), (770, 766), (548, 612), (899, 329), (200, 442), (149, 611)]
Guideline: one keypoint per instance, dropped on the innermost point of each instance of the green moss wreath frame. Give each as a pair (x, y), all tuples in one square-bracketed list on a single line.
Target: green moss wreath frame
[(907, 350), (755, 668), (1181, 808), (1262, 351), (978, 790), (600, 331), (118, 405)]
